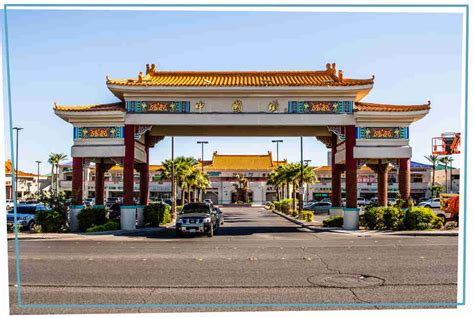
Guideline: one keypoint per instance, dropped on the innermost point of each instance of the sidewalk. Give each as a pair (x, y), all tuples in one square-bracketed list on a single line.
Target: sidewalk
[(317, 226), (139, 232)]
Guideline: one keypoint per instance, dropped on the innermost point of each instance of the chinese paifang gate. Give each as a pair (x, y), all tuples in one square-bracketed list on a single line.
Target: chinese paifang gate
[(323, 104)]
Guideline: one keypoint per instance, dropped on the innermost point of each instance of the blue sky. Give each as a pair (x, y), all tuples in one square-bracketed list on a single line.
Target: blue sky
[(64, 56)]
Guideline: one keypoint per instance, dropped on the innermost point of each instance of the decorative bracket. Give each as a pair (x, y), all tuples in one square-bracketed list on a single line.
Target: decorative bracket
[(338, 131), (140, 130), (361, 163), (394, 162)]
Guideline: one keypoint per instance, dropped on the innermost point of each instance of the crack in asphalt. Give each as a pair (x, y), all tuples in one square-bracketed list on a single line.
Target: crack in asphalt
[(357, 298)]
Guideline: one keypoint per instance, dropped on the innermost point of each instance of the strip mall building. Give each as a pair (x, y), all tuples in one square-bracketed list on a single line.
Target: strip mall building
[(222, 171)]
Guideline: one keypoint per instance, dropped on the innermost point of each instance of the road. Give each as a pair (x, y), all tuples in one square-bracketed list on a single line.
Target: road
[(256, 258)]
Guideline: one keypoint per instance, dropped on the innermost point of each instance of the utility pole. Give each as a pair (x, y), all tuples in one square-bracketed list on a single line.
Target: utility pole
[(16, 162), (202, 154), (306, 163), (38, 177)]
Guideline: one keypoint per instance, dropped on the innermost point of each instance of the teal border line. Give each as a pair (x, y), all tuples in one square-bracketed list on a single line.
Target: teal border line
[(17, 258)]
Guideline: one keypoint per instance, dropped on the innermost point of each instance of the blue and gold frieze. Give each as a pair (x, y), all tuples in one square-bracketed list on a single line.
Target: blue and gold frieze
[(321, 107), (158, 106), (97, 132), (382, 132)]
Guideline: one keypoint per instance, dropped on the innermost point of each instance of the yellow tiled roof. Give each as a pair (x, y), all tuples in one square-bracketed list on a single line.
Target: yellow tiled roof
[(120, 106), (9, 170), (151, 168), (372, 107), (242, 162), (327, 77)]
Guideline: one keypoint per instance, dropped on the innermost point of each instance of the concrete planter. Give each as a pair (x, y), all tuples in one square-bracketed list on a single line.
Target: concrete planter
[(140, 215), (128, 217), (73, 221), (351, 219)]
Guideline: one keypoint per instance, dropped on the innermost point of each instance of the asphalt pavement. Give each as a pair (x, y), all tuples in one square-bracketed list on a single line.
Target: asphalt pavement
[(257, 261)]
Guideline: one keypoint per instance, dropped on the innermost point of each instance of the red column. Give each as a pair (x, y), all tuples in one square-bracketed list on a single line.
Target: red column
[(404, 178), (382, 186), (128, 165), (77, 176), (336, 175), (351, 168), (99, 182), (145, 173)]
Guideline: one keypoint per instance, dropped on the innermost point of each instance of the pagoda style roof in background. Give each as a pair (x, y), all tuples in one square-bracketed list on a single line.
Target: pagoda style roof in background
[(9, 170), (373, 107), (243, 162), (119, 106), (328, 77)]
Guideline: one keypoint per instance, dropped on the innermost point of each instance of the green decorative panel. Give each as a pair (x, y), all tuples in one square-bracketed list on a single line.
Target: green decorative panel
[(382, 132), (157, 106), (97, 132), (321, 107)]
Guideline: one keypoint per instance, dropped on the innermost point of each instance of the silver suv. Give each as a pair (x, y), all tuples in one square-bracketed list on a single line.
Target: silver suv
[(197, 218)]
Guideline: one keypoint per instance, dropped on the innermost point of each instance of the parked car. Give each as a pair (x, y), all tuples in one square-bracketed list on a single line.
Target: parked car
[(362, 202), (114, 211), (9, 204), (326, 200), (208, 201), (419, 200), (391, 201), (25, 214), (111, 201), (89, 202), (197, 218), (431, 203), (220, 215), (319, 207)]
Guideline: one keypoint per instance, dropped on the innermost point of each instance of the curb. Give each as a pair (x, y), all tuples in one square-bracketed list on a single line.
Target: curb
[(365, 232), (136, 232)]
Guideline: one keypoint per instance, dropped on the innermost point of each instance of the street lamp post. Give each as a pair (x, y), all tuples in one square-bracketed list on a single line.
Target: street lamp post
[(173, 181), (38, 177), (16, 162), (300, 205), (306, 163), (202, 154), (277, 142)]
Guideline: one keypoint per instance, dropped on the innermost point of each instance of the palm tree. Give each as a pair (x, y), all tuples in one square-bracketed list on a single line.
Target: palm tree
[(433, 159), (446, 160), (202, 182), (59, 157), (54, 159), (183, 166)]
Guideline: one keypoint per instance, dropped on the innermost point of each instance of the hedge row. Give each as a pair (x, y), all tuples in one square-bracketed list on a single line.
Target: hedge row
[(394, 218), (157, 213)]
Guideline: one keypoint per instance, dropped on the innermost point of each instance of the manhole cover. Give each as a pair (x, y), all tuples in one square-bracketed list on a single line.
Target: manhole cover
[(346, 281)]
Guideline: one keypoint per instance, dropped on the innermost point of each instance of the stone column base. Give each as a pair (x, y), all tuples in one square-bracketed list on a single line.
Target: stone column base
[(128, 217), (73, 221), (336, 211), (140, 215), (351, 219)]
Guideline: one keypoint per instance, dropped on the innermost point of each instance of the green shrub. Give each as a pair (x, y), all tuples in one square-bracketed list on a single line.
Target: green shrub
[(89, 217), (157, 213), (51, 221), (308, 216), (294, 213), (383, 218), (108, 226), (421, 218), (333, 221), (56, 219), (277, 205)]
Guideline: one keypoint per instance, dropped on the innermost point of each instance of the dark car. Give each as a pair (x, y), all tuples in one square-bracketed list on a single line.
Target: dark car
[(198, 218), (26, 215), (114, 211)]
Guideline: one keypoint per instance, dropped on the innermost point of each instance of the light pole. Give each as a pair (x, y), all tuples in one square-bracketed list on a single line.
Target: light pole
[(38, 177), (202, 154), (16, 162), (306, 163), (173, 182), (300, 205), (277, 142)]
